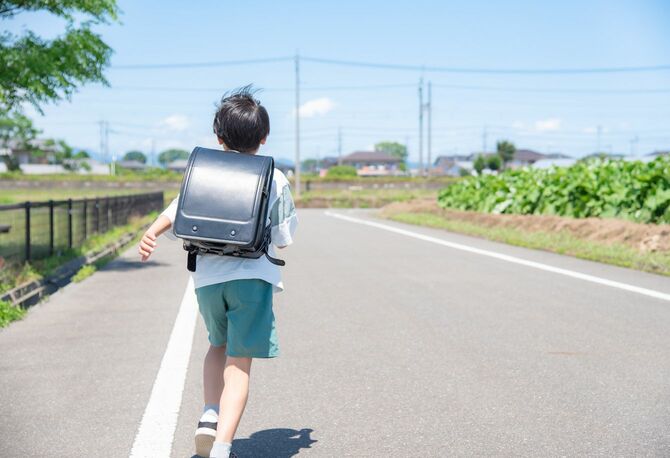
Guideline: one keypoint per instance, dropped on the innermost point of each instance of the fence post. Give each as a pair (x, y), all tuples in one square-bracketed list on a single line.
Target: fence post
[(69, 223), (51, 227), (85, 217), (97, 215), (27, 231), (108, 212)]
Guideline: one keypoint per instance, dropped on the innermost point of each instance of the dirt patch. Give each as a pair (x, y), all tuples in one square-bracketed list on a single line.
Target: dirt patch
[(642, 237)]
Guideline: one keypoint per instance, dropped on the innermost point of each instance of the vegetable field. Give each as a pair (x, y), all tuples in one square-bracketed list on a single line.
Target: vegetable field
[(631, 190)]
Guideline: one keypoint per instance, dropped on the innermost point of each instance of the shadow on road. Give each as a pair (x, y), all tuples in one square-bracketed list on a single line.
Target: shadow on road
[(277, 443), (125, 265)]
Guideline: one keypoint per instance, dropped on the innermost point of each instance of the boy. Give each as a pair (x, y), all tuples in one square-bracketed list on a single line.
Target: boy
[(234, 294)]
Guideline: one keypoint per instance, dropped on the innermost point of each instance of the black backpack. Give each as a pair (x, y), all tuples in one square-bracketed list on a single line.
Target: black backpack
[(223, 205)]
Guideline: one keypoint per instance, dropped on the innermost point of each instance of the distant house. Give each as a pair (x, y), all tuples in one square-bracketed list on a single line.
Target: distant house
[(38, 152), (451, 166), (373, 163), (132, 165), (178, 165), (523, 157), (659, 153)]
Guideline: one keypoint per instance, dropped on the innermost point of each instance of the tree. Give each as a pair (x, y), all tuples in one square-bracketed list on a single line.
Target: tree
[(18, 128), (394, 149), (170, 155), (39, 70), (135, 156), (506, 151), (480, 164), (493, 162)]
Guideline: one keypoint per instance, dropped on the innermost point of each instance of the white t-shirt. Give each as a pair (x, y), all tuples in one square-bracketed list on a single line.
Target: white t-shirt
[(212, 268)]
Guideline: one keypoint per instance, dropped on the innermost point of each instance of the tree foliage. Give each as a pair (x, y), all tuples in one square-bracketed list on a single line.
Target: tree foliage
[(135, 156), (173, 154), (479, 164), (394, 149), (39, 70), (506, 150), (19, 128), (493, 162)]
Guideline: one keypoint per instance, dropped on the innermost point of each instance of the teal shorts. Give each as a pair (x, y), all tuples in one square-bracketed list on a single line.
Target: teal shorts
[(238, 314)]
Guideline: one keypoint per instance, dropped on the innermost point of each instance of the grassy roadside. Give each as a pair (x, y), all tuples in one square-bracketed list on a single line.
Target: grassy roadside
[(360, 198), (44, 267), (562, 242)]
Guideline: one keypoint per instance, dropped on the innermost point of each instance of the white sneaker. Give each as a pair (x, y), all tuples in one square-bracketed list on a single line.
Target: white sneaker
[(205, 434)]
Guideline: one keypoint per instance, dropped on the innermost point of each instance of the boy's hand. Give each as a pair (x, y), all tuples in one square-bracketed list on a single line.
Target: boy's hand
[(147, 245)]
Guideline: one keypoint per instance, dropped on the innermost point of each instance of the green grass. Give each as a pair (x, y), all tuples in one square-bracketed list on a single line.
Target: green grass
[(84, 272), (12, 277), (122, 176), (16, 195), (558, 242), (363, 198), (9, 313)]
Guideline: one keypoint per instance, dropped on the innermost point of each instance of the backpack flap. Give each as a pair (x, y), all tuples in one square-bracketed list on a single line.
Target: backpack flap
[(224, 197)]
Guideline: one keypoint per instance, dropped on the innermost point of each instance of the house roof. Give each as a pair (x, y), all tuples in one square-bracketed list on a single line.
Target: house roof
[(527, 155), (370, 156)]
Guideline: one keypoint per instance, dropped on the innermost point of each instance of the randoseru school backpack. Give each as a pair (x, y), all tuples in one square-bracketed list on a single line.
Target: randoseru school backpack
[(223, 205)]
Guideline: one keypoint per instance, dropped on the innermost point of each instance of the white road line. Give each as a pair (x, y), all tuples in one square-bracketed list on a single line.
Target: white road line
[(156, 431), (508, 258)]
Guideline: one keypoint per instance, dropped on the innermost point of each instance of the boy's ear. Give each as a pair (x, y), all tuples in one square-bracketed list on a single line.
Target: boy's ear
[(263, 140), (220, 140)]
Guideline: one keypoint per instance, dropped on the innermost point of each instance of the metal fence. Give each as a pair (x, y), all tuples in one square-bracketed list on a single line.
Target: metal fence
[(35, 230)]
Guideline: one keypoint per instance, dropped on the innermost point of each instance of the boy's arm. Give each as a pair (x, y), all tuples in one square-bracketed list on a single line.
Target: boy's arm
[(163, 223), (148, 243)]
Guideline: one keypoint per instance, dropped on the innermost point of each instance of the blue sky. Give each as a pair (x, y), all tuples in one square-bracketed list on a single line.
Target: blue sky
[(547, 112)]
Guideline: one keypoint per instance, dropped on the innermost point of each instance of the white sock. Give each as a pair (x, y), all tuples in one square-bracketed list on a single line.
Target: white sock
[(209, 415), (220, 450)]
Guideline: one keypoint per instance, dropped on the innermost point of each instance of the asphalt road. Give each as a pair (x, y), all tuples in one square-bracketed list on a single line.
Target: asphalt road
[(390, 346)]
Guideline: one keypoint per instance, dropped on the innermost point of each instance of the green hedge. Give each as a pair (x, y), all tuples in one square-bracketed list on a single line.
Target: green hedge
[(631, 190)]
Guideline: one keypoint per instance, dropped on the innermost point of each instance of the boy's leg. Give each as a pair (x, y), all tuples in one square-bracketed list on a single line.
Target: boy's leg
[(212, 374), (233, 398)]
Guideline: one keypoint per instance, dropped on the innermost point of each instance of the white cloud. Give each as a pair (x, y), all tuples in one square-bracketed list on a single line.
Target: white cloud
[(519, 125), (316, 107), (175, 122), (544, 125)]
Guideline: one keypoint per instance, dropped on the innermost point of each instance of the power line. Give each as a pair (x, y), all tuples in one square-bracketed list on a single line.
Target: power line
[(396, 66), (555, 90), (427, 68), (224, 63)]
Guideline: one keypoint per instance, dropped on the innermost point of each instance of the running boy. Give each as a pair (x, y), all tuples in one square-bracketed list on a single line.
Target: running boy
[(234, 294)]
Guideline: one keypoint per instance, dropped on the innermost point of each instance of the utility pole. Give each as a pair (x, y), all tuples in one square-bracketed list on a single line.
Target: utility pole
[(421, 126), (153, 152), (484, 135), (297, 125), (339, 145), (113, 158), (430, 124), (600, 128)]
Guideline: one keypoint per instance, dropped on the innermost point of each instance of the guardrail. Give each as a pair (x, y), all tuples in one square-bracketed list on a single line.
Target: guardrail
[(36, 230)]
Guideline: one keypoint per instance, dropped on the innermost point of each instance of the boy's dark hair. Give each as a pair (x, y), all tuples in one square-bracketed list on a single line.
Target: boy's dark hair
[(241, 121)]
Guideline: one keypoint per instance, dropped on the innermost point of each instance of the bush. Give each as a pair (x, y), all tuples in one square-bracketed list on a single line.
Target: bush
[(9, 313), (636, 191), (342, 171)]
